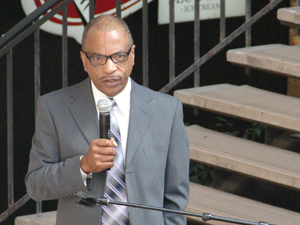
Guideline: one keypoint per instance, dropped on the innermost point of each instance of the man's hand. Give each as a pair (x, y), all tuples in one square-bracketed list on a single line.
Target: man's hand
[(100, 156)]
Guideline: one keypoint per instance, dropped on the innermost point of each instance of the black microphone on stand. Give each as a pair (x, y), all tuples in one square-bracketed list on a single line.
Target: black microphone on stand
[(104, 107), (90, 201)]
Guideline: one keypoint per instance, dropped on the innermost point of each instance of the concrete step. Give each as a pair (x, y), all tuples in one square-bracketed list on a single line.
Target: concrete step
[(218, 203), (289, 16), (275, 58), (46, 218), (239, 155), (245, 102)]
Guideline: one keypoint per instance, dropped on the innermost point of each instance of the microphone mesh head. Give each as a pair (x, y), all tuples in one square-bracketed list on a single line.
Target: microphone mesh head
[(104, 105)]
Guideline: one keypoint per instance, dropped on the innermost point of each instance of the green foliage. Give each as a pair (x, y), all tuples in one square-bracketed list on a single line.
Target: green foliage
[(254, 131), (201, 174), (250, 133), (226, 127)]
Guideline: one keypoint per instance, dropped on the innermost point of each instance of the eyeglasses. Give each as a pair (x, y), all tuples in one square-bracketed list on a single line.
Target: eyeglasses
[(102, 59)]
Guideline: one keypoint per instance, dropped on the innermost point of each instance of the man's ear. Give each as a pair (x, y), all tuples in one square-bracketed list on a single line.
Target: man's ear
[(84, 60), (133, 53)]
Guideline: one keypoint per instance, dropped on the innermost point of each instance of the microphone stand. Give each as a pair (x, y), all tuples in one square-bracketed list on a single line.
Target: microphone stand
[(92, 202)]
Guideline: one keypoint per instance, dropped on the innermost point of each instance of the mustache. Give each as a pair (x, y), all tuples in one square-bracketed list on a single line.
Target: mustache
[(115, 77)]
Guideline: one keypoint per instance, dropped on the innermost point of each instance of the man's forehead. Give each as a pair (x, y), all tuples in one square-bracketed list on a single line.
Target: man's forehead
[(106, 36), (105, 30), (106, 47)]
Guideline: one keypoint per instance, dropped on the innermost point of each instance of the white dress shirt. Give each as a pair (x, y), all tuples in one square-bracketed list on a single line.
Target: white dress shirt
[(121, 111)]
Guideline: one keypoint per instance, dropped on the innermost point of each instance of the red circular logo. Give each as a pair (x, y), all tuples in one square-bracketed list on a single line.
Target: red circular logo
[(101, 6), (78, 14)]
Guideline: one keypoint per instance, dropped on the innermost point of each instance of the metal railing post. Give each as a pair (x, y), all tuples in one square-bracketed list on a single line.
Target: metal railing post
[(297, 28), (37, 68), (118, 7), (37, 78), (222, 20), (65, 47), (91, 9), (171, 41), (10, 134), (197, 42), (196, 46), (145, 44), (248, 17), (248, 31)]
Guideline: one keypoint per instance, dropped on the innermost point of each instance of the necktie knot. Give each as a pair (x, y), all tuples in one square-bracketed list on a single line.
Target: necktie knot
[(113, 102)]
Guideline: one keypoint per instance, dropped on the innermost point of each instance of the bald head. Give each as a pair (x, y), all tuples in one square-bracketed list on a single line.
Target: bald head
[(106, 23)]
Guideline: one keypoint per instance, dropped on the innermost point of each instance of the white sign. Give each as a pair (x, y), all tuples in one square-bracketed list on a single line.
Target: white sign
[(79, 9), (209, 9)]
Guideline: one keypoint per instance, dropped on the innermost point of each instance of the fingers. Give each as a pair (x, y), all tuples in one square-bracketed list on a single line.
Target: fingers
[(96, 164), (105, 142), (114, 142), (100, 155)]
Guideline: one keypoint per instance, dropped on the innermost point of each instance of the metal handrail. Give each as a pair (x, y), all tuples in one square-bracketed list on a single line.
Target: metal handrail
[(219, 46), (17, 29), (14, 207), (26, 22)]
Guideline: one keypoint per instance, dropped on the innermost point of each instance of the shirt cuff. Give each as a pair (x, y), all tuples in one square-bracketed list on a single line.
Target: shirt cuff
[(84, 176)]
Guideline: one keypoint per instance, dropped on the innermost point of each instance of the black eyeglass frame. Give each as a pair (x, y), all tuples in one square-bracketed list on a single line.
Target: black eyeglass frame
[(110, 56)]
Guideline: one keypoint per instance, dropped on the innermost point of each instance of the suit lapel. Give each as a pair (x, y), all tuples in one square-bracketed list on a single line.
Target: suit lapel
[(84, 110), (141, 113)]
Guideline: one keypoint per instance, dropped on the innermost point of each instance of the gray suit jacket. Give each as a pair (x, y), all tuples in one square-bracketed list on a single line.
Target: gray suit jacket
[(157, 156)]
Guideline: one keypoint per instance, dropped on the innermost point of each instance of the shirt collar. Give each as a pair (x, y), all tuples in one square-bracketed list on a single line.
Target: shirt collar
[(122, 99)]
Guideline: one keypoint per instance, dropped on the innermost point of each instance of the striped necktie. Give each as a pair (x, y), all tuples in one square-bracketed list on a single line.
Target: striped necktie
[(115, 189)]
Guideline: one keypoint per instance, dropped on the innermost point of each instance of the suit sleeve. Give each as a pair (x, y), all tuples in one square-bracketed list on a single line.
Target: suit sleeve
[(48, 177), (177, 171)]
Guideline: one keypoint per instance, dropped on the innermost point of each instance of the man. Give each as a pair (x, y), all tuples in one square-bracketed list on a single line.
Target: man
[(67, 155)]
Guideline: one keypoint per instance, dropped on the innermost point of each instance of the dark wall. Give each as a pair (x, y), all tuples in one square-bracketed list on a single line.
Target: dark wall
[(268, 30)]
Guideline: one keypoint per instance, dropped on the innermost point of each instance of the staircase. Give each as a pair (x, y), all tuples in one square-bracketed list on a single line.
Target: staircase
[(272, 163), (242, 157)]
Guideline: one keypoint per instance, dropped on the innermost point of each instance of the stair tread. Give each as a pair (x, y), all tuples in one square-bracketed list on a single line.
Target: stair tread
[(244, 156), (289, 15), (46, 218), (204, 199), (276, 58), (246, 102)]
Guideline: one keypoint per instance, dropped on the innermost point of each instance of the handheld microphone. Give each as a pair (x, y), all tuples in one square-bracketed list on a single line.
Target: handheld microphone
[(104, 106)]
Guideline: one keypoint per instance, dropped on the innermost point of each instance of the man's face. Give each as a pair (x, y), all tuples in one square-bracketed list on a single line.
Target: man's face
[(110, 78)]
